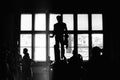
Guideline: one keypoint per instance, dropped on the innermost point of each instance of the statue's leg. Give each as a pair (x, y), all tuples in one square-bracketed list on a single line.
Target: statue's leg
[(56, 50), (62, 51), (57, 53)]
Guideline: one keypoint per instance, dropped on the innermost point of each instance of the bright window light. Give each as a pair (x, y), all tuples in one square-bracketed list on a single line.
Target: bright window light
[(25, 42), (26, 22), (40, 54), (97, 40), (52, 43), (68, 19), (83, 46), (82, 21), (84, 53), (40, 40), (69, 50), (40, 47), (97, 23), (40, 21), (52, 54), (36, 42), (82, 40)]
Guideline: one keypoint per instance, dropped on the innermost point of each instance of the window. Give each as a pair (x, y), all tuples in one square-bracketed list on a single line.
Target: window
[(97, 40), (40, 47), (97, 22), (40, 22), (26, 22), (25, 42), (33, 37), (35, 30), (82, 20), (90, 33), (97, 27), (83, 46)]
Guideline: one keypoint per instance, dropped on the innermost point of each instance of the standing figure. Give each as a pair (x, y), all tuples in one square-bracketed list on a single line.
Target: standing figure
[(26, 65), (60, 33)]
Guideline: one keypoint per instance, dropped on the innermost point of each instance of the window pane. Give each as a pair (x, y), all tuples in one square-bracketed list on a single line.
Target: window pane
[(97, 22), (82, 40), (68, 52), (25, 42), (40, 22), (26, 22), (52, 43), (84, 52), (25, 39), (83, 46), (97, 40), (52, 55), (68, 19), (53, 20), (40, 54), (40, 40), (40, 47), (82, 21)]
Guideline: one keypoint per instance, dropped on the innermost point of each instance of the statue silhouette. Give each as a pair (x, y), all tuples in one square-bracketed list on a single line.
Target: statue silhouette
[(61, 36)]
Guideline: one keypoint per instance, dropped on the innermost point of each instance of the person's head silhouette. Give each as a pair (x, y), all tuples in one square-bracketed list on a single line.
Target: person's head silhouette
[(59, 18), (96, 51), (25, 50)]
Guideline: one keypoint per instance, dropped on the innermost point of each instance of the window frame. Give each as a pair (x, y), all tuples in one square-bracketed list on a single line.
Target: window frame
[(75, 32)]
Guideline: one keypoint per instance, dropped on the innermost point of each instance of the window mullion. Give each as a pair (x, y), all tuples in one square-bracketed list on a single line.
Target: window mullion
[(47, 37), (75, 33), (90, 34), (33, 36)]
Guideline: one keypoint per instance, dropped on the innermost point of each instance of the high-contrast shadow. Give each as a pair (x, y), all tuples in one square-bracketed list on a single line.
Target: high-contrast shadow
[(61, 36), (96, 65), (75, 64), (68, 69), (26, 65)]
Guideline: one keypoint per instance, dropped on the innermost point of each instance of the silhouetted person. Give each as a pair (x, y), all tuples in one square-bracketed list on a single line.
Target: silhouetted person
[(75, 66), (60, 70), (60, 33), (19, 66), (26, 63), (96, 66)]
